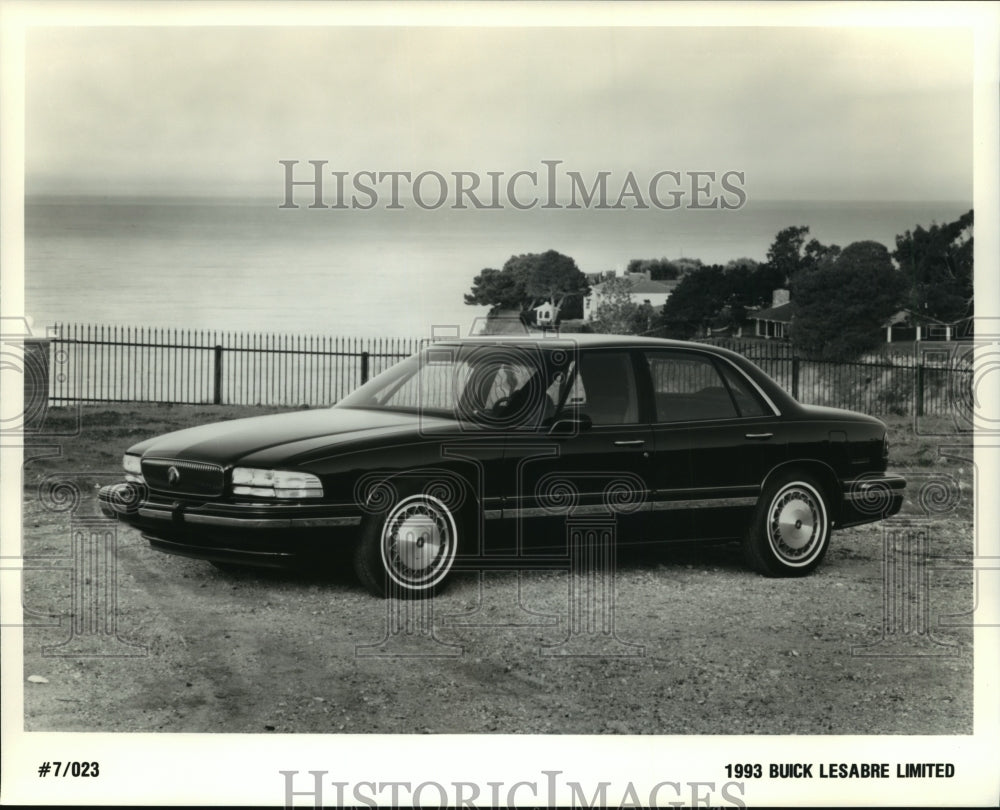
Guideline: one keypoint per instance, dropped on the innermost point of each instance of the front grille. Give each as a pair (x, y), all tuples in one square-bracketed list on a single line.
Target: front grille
[(183, 477)]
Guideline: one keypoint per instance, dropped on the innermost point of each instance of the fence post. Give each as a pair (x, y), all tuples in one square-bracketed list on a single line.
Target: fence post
[(795, 376), (920, 388), (36, 378), (217, 387), (364, 367)]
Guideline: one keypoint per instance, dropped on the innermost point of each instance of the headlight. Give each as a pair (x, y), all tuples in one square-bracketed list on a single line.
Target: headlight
[(275, 483), (132, 465)]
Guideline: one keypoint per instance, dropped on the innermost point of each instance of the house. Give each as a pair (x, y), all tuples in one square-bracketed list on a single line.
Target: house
[(644, 291), (545, 314), (774, 321), (906, 325)]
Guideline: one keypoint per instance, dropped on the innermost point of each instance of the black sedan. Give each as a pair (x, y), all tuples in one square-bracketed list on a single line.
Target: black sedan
[(483, 451)]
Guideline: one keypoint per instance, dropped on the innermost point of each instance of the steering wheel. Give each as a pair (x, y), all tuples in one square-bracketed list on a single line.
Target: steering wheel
[(500, 406)]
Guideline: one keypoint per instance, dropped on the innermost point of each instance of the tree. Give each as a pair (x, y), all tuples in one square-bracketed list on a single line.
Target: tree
[(748, 286), (658, 269), (555, 278), (616, 313), (818, 255), (745, 261), (695, 302), (499, 289), (839, 307), (785, 253), (687, 265), (529, 279), (790, 254), (937, 263)]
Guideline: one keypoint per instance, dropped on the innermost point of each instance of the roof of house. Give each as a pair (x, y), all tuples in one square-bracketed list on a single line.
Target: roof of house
[(781, 314), (908, 316), (645, 285), (648, 286)]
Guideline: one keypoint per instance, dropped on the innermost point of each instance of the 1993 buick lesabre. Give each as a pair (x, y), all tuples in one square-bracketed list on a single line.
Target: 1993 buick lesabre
[(517, 437)]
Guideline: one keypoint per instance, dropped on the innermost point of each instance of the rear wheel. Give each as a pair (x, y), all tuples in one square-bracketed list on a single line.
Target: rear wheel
[(791, 529), (408, 550)]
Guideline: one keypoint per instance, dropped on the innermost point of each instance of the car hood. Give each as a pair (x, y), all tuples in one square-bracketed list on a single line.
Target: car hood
[(285, 435)]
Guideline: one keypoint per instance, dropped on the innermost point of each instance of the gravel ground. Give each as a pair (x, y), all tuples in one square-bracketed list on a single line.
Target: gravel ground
[(701, 645)]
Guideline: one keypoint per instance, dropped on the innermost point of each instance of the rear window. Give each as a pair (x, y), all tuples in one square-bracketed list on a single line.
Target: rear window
[(748, 401), (687, 387)]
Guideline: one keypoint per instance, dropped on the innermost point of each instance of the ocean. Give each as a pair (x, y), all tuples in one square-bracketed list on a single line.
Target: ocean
[(247, 265)]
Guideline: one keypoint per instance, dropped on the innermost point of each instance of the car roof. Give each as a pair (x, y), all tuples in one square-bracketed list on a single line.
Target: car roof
[(578, 338)]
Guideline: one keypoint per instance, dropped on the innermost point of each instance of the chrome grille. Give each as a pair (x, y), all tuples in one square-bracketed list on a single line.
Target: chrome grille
[(177, 477)]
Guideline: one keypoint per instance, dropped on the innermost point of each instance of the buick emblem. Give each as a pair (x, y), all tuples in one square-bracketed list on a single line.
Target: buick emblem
[(173, 476)]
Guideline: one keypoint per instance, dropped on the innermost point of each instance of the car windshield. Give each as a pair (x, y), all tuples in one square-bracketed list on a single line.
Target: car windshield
[(523, 385)]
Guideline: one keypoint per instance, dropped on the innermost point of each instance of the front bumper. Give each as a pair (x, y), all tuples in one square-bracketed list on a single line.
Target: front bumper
[(871, 498), (251, 533)]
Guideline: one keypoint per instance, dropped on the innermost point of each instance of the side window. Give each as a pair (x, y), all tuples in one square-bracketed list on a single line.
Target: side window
[(747, 400), (687, 387), (604, 388)]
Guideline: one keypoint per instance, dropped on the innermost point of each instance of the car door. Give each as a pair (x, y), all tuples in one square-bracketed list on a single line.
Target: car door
[(734, 434), (594, 458), (673, 498)]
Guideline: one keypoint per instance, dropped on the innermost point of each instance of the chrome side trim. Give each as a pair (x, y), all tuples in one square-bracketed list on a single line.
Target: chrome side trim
[(534, 511), (707, 493), (572, 511), (601, 509), (492, 514), (696, 503)]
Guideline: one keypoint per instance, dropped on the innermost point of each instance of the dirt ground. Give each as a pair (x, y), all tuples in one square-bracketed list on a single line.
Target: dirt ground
[(701, 645)]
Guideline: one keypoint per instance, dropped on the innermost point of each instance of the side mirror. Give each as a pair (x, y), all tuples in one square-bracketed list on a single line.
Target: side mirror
[(568, 424)]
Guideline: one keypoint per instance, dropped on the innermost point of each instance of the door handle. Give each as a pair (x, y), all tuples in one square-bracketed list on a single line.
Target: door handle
[(759, 435), (630, 443)]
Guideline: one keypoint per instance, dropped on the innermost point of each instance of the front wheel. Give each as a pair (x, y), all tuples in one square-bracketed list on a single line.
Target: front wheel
[(409, 550), (791, 528)]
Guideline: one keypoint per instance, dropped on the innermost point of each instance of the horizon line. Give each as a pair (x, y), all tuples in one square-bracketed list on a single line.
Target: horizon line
[(98, 195)]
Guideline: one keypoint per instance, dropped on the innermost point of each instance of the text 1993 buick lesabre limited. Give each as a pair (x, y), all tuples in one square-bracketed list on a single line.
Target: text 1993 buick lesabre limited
[(515, 438)]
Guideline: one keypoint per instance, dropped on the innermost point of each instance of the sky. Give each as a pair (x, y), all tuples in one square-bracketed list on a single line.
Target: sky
[(805, 113)]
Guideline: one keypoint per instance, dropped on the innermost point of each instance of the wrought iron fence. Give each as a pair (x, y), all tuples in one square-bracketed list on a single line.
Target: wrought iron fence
[(932, 380), (93, 363)]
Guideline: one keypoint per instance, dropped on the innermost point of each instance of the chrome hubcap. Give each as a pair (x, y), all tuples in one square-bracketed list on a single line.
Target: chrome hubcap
[(796, 524), (418, 542)]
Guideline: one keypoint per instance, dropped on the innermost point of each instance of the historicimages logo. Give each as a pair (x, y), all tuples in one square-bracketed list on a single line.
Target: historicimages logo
[(547, 186), (547, 790)]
